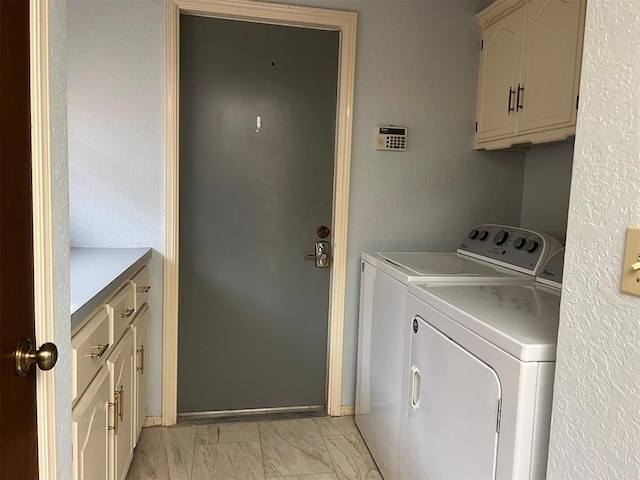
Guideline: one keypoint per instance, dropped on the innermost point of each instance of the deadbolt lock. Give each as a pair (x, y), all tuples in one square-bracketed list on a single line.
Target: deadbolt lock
[(321, 256)]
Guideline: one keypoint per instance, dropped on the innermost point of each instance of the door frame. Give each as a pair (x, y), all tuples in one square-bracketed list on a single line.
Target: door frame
[(276, 14), (43, 230)]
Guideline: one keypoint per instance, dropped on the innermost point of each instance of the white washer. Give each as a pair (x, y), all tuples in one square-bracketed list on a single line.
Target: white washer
[(482, 359), (489, 254)]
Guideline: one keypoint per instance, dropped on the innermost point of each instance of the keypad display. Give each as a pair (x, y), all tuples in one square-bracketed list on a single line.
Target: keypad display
[(391, 138)]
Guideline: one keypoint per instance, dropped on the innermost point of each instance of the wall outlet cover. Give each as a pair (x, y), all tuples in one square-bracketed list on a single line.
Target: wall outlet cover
[(631, 264)]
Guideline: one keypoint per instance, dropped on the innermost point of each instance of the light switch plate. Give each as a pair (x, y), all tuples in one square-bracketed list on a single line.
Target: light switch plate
[(631, 276)]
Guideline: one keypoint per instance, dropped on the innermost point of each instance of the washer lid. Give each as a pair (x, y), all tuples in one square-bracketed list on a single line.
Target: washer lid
[(442, 267), (520, 319)]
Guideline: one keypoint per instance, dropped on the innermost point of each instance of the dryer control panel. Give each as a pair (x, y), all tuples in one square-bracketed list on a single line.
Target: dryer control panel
[(513, 247)]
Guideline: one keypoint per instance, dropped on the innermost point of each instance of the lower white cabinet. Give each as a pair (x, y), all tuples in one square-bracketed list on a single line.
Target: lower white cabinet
[(111, 387), (91, 431), (120, 365)]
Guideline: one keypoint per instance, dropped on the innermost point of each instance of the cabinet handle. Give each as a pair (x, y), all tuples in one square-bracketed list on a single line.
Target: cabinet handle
[(518, 104), (121, 403), (127, 312), (509, 107), (144, 289), (100, 353), (141, 367), (115, 406)]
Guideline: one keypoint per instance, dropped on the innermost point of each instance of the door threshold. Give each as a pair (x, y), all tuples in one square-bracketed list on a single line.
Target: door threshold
[(275, 413)]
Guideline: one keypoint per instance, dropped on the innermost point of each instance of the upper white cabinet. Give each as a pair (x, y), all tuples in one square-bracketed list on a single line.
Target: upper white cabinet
[(529, 72)]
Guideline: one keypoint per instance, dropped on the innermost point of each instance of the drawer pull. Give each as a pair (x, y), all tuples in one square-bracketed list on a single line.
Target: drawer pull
[(519, 106), (115, 406), (127, 312), (99, 353), (141, 367), (144, 289)]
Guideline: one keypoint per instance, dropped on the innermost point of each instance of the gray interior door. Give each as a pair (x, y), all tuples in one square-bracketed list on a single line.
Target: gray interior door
[(253, 315)]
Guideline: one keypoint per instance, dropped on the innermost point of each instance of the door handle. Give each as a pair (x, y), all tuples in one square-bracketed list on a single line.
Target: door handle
[(415, 387), (26, 356), (321, 257)]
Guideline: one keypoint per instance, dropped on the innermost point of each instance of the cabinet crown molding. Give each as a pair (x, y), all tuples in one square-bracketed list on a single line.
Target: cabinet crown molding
[(498, 10)]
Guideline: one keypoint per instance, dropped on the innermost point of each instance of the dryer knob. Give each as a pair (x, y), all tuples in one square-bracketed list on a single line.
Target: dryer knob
[(531, 246), (519, 243), (473, 234), (483, 235), (501, 237)]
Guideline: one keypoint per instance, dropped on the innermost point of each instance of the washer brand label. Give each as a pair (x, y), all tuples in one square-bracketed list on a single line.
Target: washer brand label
[(548, 273)]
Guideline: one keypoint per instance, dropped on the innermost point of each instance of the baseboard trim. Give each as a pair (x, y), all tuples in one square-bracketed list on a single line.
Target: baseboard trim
[(152, 421), (347, 410)]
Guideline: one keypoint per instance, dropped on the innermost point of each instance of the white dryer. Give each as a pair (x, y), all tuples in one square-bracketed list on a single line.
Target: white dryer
[(481, 368), (489, 254)]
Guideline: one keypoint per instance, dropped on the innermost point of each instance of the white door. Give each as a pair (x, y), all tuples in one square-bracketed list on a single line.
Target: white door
[(91, 431), (141, 355), (498, 83), (452, 425), (121, 382), (549, 66)]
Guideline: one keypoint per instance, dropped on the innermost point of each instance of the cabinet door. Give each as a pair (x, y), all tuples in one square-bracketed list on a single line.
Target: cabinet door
[(499, 67), (141, 355), (90, 427), (551, 64), (121, 373)]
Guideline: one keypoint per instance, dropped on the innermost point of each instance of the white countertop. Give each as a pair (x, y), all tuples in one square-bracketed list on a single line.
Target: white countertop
[(97, 272)]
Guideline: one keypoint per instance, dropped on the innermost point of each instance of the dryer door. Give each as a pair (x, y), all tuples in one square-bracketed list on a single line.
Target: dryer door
[(452, 425)]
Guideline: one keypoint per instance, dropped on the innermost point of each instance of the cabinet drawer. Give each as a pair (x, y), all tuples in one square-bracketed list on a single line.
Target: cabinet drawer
[(90, 347), (122, 307), (141, 286)]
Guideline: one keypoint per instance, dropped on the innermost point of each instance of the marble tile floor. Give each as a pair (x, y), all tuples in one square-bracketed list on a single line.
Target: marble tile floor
[(319, 448)]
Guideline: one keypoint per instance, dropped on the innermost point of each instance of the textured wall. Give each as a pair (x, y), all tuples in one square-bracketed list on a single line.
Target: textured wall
[(60, 213), (417, 66), (545, 190), (595, 431), (116, 169)]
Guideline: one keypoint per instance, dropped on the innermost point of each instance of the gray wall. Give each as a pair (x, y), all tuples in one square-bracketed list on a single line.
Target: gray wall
[(545, 192), (116, 169), (417, 66)]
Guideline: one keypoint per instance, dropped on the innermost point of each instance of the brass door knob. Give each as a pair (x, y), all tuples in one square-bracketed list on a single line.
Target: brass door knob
[(26, 356)]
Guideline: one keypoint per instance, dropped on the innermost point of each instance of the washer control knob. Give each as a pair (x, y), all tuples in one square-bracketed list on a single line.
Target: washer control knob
[(519, 243), (473, 234), (501, 237), (531, 246), (483, 235)]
